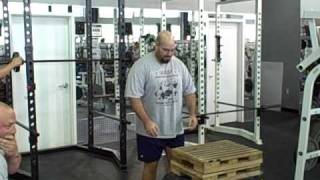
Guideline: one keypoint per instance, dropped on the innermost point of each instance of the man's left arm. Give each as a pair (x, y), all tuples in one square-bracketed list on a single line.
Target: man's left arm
[(191, 104)]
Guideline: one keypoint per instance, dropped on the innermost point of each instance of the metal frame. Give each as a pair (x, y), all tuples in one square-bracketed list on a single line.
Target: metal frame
[(201, 71), (89, 73), (142, 47), (193, 48), (217, 63), (308, 66), (119, 158), (31, 90), (307, 111), (201, 61), (257, 71), (163, 25), (7, 50), (308, 61), (253, 136), (122, 81), (313, 33), (147, 20), (116, 63)]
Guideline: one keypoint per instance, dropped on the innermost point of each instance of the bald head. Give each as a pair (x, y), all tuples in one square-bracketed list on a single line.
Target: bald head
[(165, 46), (164, 37), (5, 108), (7, 120)]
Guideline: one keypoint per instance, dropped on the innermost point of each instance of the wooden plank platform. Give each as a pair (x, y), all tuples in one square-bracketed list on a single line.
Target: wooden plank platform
[(231, 174), (216, 157)]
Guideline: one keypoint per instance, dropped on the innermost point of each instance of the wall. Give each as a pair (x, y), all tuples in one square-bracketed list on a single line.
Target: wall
[(104, 12), (108, 29), (41, 9), (309, 5), (281, 43)]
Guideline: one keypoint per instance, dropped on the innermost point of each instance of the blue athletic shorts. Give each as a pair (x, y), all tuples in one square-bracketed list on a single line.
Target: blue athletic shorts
[(150, 149)]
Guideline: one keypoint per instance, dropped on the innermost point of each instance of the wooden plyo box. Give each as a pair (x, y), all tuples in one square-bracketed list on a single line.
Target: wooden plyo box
[(216, 161)]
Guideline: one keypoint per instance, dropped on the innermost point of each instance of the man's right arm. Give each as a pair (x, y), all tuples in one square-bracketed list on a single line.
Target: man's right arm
[(14, 163), (9, 145), (17, 61), (150, 126)]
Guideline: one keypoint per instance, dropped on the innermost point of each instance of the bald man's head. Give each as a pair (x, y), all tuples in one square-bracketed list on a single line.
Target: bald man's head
[(164, 37), (165, 46), (7, 120), (5, 108)]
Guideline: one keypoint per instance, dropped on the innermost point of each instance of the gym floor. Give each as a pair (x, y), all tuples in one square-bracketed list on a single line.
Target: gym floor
[(279, 132)]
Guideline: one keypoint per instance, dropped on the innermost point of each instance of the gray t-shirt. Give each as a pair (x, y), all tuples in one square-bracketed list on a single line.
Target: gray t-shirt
[(161, 87), (3, 166)]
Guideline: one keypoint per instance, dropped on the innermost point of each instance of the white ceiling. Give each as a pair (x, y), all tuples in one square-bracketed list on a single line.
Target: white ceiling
[(243, 7)]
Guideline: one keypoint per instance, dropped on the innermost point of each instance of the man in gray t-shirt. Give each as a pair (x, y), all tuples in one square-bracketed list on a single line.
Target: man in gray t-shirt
[(156, 86)]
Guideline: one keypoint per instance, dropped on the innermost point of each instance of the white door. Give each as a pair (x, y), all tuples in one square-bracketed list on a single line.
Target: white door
[(230, 69), (55, 107)]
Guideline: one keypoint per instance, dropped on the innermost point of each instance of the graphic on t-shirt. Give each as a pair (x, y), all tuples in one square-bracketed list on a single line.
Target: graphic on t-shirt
[(167, 92)]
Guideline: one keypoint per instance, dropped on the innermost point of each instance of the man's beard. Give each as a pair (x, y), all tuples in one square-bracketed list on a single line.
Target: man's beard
[(164, 61)]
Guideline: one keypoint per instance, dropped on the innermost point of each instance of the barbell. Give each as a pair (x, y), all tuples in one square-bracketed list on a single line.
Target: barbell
[(32, 132), (2, 62), (262, 108)]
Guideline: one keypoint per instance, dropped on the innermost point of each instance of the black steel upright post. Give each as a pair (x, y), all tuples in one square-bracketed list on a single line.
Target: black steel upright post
[(122, 83), (218, 48), (6, 27), (31, 90), (89, 73)]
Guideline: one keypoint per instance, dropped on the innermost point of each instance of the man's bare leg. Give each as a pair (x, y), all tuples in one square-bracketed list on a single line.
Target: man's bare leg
[(150, 171), (169, 156)]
